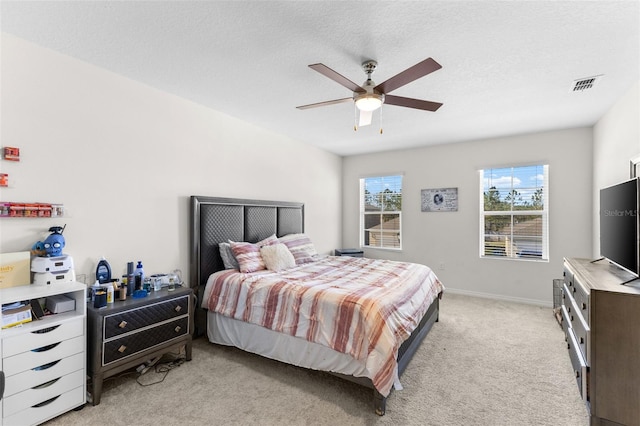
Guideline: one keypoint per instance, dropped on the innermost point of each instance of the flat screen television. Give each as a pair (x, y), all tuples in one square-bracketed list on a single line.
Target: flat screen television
[(620, 225)]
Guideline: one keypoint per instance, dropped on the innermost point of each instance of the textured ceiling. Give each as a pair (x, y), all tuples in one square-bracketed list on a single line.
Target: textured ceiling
[(507, 67)]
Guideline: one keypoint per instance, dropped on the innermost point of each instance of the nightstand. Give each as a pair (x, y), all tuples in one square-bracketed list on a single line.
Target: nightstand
[(124, 334), (349, 252)]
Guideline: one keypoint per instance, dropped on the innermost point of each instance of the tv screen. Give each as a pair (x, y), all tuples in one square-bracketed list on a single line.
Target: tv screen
[(619, 225)]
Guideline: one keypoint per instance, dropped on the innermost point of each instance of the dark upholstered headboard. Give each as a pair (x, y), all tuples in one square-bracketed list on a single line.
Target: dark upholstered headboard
[(215, 220)]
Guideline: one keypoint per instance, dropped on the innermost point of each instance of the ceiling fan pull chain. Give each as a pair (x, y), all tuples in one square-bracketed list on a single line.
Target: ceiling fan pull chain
[(380, 119), (355, 117)]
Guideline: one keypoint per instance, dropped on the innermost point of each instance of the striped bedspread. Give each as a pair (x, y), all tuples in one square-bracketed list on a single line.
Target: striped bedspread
[(362, 307)]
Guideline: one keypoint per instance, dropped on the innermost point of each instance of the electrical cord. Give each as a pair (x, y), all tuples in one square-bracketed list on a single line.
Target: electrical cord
[(161, 368)]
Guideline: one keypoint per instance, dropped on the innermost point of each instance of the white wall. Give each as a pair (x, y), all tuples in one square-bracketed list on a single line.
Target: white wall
[(453, 238), (124, 158), (616, 140)]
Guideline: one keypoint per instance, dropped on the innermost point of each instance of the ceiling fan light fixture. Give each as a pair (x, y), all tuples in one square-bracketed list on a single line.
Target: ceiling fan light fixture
[(369, 101)]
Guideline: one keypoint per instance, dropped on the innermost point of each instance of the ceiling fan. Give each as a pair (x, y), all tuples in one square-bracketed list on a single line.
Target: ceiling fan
[(370, 96)]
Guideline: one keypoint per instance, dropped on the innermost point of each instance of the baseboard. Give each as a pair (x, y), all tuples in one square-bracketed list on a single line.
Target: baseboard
[(543, 303)]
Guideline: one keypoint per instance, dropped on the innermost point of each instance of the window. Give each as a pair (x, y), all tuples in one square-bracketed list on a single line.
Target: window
[(381, 212), (514, 212)]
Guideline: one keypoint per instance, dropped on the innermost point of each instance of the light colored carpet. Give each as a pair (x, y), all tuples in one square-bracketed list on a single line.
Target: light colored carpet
[(485, 362)]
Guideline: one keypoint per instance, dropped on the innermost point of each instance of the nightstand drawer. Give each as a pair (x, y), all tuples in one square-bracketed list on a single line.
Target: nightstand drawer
[(43, 337), (47, 409), (43, 355), (117, 349), (37, 395), (43, 373), (128, 321)]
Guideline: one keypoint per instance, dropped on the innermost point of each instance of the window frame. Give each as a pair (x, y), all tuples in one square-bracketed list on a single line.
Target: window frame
[(544, 214), (363, 213)]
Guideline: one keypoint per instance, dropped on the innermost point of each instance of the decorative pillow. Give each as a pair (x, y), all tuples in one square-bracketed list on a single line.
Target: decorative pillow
[(228, 259), (300, 246), (277, 257), (248, 255), (269, 240)]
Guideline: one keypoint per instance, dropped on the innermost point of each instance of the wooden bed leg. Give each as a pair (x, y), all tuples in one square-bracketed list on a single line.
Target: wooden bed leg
[(379, 403)]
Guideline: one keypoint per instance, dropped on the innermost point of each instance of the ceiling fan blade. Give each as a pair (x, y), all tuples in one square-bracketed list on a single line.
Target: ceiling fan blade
[(365, 118), (411, 103), (407, 76), (338, 78), (319, 104)]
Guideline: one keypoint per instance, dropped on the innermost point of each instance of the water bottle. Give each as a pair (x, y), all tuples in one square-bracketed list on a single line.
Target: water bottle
[(103, 271), (139, 275)]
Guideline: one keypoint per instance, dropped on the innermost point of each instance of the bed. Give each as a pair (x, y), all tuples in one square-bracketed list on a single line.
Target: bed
[(226, 318)]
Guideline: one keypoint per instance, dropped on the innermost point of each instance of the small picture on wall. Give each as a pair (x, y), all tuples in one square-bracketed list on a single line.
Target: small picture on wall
[(439, 200), (11, 153)]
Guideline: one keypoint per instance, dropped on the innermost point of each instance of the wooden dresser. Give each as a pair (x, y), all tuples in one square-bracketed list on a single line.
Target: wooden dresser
[(601, 320), (127, 333)]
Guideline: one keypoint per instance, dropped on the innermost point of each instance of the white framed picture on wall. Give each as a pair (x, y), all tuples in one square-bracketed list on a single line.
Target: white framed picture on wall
[(439, 200)]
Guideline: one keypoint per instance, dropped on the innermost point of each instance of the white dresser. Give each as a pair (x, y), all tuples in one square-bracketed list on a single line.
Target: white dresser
[(44, 361)]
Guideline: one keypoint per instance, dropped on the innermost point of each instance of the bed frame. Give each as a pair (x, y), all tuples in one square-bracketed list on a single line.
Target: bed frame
[(214, 220)]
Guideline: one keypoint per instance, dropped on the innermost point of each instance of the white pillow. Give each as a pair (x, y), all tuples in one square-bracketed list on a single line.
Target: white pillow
[(277, 257)]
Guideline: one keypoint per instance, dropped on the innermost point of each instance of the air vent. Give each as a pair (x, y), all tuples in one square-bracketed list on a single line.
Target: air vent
[(585, 83)]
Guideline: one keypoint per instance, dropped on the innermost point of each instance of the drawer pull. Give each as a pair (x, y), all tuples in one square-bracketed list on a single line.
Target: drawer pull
[(177, 329), (584, 306), (46, 330), (582, 340), (571, 318), (47, 384), (577, 374), (122, 348), (574, 289), (47, 402), (123, 324), (178, 308), (45, 348), (45, 366)]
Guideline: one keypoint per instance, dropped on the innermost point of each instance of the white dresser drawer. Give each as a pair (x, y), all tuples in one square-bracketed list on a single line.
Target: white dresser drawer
[(36, 415), (37, 395), (35, 358), (43, 373), (43, 337)]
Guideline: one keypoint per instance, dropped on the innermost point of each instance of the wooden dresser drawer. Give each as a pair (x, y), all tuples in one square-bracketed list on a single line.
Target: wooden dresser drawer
[(580, 329), (131, 344), (43, 337), (43, 355), (45, 410), (567, 276), (128, 321), (43, 373), (579, 364), (581, 297)]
